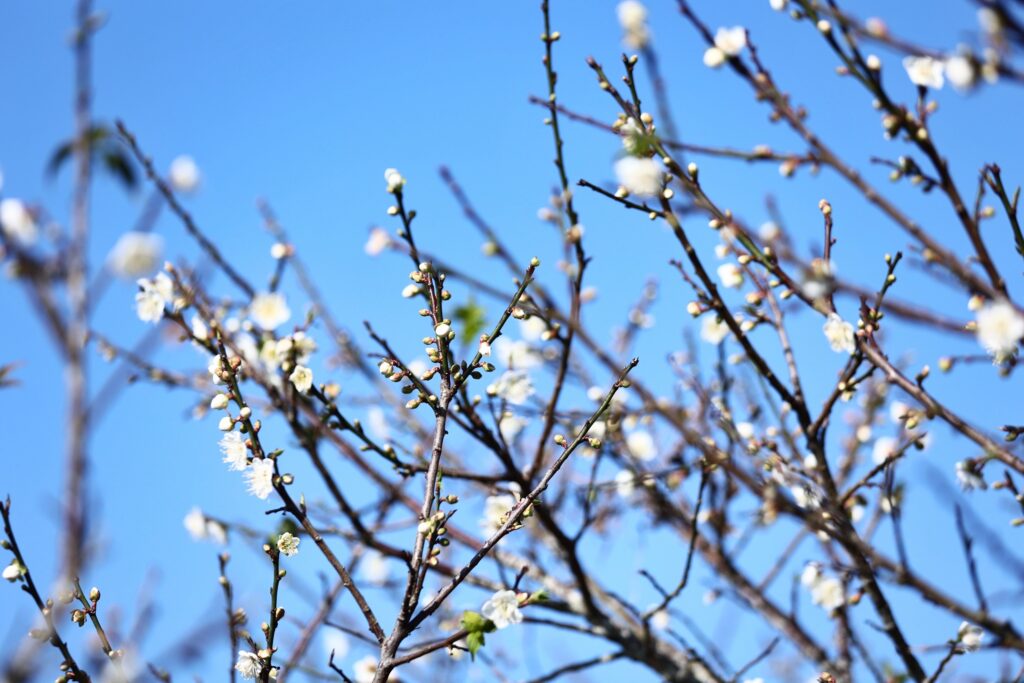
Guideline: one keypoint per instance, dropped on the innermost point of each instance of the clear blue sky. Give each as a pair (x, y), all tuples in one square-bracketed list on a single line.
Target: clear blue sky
[(306, 104)]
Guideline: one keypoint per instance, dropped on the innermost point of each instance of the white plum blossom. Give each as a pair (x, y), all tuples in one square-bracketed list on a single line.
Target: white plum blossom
[(503, 609), (134, 254), (960, 72), (828, 593), (365, 669), (375, 568), (248, 664), (394, 180), (259, 477), (200, 527), (335, 642), (511, 426), (633, 20), (969, 476), (730, 275), (885, 446), (731, 41), (153, 296), (924, 71), (778, 5), (301, 378), (970, 636), (233, 448), (712, 330), (625, 483), (184, 174), (17, 222), (769, 231), (269, 310), (518, 354), (713, 57), (377, 242), (641, 177), (1000, 327), (641, 445), (495, 510), (839, 334), (661, 619), (12, 572), (288, 544), (514, 386), (810, 575), (298, 347)]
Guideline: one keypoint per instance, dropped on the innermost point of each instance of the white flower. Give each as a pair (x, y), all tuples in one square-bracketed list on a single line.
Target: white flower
[(233, 448), (335, 641), (503, 609), (778, 5), (365, 669), (633, 19), (828, 593), (768, 231), (924, 71), (641, 445), (514, 386), (153, 296), (642, 177), (269, 310), (712, 330), (960, 72), (375, 568), (495, 510), (200, 527), (730, 275), (839, 334), (625, 483), (394, 180), (287, 544), (259, 476), (661, 619), (195, 524), (248, 664), (533, 328), (279, 250), (510, 426), (810, 575), (969, 477), (17, 222), (184, 174), (713, 58), (518, 354), (12, 571), (199, 329), (302, 378), (378, 241), (885, 446), (135, 254), (1000, 327), (731, 41), (970, 636)]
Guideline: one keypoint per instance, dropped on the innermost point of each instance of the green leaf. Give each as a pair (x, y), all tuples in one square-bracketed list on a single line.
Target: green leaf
[(470, 318), (474, 641), (473, 622)]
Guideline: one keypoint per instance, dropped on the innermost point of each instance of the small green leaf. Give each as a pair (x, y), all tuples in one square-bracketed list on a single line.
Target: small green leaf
[(473, 622), (471, 318), (474, 641)]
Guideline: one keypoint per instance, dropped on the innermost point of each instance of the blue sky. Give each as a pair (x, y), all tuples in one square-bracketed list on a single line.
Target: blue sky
[(306, 104)]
